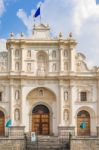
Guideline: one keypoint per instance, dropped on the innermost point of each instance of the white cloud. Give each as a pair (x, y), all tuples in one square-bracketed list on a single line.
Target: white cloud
[(2, 44), (78, 16), (2, 7)]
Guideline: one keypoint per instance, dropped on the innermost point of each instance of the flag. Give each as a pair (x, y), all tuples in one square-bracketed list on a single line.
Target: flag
[(83, 125), (8, 123), (37, 13)]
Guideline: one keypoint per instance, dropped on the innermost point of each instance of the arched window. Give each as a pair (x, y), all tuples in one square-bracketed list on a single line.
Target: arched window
[(17, 66), (65, 53), (17, 114), (54, 54), (29, 67), (42, 62)]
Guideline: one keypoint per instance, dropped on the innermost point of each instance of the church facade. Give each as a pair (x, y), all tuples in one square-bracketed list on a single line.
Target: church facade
[(46, 86)]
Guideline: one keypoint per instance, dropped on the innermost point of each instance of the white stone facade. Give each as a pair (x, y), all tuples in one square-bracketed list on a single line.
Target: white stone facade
[(41, 63)]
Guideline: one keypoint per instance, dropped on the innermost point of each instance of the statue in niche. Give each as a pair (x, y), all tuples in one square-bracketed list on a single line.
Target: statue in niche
[(17, 115), (66, 95), (17, 95), (41, 92), (66, 115)]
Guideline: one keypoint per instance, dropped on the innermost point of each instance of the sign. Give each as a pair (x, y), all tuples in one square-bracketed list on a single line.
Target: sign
[(33, 136)]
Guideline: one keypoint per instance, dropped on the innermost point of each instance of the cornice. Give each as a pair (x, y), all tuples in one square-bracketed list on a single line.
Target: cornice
[(42, 42)]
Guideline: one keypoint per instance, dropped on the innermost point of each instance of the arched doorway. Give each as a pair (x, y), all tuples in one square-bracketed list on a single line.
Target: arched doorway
[(83, 123), (40, 119), (2, 123)]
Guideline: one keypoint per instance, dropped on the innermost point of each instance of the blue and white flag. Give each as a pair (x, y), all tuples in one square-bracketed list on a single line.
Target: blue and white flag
[(37, 13)]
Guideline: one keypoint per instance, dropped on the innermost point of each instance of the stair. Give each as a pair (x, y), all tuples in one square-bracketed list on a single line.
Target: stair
[(47, 143)]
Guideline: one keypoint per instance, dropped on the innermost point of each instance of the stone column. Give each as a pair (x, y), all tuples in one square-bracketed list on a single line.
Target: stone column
[(61, 105), (22, 59), (11, 60), (12, 102), (61, 60)]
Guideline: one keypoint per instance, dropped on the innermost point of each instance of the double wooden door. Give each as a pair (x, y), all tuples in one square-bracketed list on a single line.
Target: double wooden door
[(2, 123), (83, 123), (40, 123)]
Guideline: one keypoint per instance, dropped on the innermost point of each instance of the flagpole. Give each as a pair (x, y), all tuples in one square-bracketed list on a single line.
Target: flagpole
[(40, 14)]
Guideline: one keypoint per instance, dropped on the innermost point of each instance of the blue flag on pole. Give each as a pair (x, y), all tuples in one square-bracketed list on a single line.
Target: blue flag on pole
[(37, 13), (8, 123)]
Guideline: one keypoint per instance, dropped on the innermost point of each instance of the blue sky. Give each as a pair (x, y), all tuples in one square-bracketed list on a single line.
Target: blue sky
[(81, 17), (10, 21)]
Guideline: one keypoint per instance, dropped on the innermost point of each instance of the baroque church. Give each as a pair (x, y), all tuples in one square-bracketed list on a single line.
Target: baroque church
[(46, 86)]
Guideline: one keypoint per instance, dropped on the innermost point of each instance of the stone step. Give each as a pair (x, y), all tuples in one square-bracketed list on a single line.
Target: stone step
[(47, 143)]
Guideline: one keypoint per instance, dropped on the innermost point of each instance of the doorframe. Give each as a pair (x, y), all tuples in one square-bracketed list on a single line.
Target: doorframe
[(50, 116)]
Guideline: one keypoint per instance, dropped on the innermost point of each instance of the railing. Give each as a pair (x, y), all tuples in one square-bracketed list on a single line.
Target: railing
[(47, 143)]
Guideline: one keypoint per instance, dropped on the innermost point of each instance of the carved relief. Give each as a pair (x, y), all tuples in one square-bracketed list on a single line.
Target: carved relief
[(80, 63), (40, 94)]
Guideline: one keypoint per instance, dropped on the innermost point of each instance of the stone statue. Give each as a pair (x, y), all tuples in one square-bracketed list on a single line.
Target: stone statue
[(66, 115), (17, 115)]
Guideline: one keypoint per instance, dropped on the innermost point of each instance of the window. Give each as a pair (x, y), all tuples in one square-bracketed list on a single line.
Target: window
[(54, 54), (83, 96), (0, 96), (17, 66), (17, 53), (65, 66), (54, 67), (29, 53), (65, 53), (28, 66)]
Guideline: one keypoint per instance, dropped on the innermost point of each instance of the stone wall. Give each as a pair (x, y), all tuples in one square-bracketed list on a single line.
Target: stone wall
[(12, 144), (85, 143)]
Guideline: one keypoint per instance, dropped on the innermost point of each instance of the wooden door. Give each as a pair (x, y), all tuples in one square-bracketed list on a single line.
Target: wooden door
[(2, 123), (40, 121), (83, 118)]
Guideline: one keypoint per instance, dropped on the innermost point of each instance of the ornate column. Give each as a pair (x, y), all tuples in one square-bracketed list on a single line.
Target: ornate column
[(11, 59), (61, 59), (61, 105), (12, 102), (22, 58)]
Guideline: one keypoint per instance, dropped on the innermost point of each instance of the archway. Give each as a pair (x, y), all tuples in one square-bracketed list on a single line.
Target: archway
[(83, 123), (2, 123), (40, 119)]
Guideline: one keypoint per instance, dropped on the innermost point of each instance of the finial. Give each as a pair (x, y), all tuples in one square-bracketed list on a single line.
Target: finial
[(60, 35), (70, 35), (21, 34), (11, 34)]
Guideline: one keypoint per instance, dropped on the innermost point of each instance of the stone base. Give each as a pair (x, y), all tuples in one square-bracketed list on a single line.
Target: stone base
[(16, 132), (98, 131), (64, 131)]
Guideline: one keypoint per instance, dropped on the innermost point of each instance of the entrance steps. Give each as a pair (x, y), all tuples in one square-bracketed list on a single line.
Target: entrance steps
[(47, 143)]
